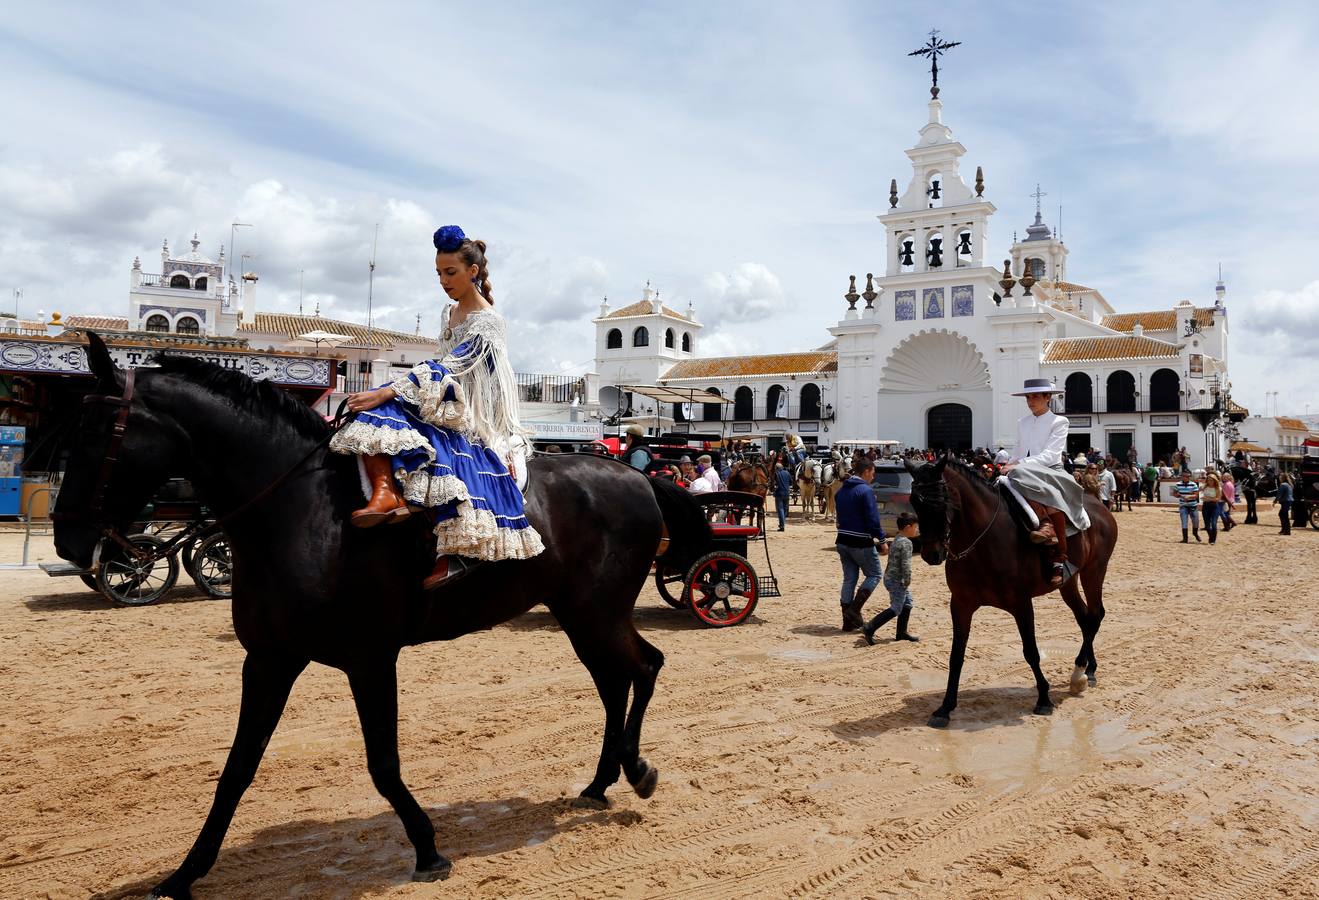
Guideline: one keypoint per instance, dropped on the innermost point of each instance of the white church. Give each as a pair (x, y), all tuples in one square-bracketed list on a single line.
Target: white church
[(945, 335)]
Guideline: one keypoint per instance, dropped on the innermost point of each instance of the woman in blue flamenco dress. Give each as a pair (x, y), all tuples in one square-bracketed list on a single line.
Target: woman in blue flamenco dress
[(446, 436)]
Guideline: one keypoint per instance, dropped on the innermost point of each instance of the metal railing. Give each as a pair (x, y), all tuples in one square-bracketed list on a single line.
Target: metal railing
[(27, 530), (537, 388)]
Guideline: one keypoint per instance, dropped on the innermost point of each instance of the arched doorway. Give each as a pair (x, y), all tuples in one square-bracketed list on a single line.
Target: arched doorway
[(948, 427)]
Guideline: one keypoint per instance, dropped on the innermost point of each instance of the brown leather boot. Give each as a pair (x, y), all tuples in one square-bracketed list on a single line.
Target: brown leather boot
[(448, 568), (386, 505), (1045, 534)]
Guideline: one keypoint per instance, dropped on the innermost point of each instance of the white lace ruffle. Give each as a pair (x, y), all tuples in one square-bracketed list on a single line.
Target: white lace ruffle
[(371, 440), (475, 532)]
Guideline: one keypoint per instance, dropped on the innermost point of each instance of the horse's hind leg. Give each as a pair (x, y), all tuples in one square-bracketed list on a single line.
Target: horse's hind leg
[(1092, 580), (1072, 596), (1025, 616), (375, 693), (266, 686)]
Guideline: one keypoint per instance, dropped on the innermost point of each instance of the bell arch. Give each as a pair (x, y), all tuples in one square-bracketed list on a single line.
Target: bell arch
[(934, 359)]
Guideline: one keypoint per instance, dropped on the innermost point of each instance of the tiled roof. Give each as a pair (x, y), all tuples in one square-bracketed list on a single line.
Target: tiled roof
[(1157, 320), (290, 327), (812, 363), (1293, 424), (97, 323), (1096, 348), (1072, 286), (641, 308), (1235, 407)]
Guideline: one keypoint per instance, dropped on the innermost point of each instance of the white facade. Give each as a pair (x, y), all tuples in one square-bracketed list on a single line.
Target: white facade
[(188, 296)]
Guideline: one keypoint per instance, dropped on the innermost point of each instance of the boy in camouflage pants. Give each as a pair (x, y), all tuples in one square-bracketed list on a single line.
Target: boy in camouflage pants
[(897, 579)]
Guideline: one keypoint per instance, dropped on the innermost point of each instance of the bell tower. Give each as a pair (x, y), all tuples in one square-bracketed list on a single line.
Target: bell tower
[(1042, 250)]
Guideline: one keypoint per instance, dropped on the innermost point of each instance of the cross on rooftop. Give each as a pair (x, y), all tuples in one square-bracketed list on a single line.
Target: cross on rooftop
[(933, 49), (1037, 195)]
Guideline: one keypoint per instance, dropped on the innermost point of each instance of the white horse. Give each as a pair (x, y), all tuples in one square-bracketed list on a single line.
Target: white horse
[(832, 475), (806, 476)]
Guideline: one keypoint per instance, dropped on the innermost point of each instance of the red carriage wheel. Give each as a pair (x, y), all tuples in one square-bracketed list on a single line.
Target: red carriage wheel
[(669, 583), (721, 589)]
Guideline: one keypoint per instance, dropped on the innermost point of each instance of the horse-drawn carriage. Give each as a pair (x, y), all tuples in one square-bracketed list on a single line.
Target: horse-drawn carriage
[(174, 532), (722, 587)]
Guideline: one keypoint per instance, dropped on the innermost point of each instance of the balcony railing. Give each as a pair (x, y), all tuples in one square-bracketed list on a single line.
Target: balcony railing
[(1141, 404), (537, 388)]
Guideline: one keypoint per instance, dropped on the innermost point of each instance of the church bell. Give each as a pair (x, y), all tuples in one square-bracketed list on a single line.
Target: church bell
[(964, 243), (906, 253), (934, 256)]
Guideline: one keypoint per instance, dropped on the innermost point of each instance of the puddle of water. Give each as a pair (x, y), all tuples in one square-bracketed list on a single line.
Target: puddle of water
[(797, 654)]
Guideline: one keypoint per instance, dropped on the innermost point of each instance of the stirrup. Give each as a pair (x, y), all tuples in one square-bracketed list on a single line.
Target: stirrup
[(457, 567), (1059, 574)]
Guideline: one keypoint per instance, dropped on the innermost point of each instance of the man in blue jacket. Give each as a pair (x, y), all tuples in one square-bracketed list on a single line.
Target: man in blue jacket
[(858, 530), (782, 490)]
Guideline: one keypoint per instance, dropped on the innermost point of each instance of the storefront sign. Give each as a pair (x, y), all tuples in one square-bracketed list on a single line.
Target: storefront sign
[(1078, 421), (566, 431), (1165, 421)]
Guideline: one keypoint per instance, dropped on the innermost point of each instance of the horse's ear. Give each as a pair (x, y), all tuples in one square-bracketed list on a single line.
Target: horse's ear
[(939, 466), (911, 470), (98, 359)]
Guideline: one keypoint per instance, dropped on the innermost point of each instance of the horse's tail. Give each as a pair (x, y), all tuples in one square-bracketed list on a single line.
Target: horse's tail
[(684, 520)]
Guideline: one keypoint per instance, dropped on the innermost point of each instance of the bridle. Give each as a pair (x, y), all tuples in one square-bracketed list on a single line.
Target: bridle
[(119, 430), (938, 492)]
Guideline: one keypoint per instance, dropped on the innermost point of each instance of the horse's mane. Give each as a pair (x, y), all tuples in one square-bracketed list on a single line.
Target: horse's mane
[(978, 481), (260, 397)]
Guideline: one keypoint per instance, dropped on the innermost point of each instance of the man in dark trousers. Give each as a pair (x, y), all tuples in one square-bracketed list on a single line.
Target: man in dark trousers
[(858, 530)]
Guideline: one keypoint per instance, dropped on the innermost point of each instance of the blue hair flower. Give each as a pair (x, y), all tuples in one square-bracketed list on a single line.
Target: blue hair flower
[(449, 238)]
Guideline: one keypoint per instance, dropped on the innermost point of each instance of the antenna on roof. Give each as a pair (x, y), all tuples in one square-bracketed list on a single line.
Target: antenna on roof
[(299, 292), (1060, 221), (370, 285)]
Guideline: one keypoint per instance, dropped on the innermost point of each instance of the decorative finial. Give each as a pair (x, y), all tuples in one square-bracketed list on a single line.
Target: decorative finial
[(851, 296), (195, 243), (1027, 280), (137, 262), (1007, 281), (933, 48), (418, 331), (980, 182), (870, 293), (893, 194)]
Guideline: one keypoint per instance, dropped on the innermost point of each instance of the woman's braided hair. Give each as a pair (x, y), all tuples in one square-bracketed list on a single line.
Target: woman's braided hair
[(451, 239)]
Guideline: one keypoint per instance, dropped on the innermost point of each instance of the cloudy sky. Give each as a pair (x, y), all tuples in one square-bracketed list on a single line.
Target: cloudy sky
[(734, 154)]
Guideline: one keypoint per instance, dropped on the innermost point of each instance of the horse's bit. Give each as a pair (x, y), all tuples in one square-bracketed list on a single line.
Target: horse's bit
[(948, 526)]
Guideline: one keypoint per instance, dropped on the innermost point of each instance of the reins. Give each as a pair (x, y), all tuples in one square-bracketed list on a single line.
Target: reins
[(954, 557)]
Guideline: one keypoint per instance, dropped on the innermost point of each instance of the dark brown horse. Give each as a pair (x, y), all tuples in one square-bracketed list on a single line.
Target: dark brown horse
[(308, 587), (749, 477), (966, 521)]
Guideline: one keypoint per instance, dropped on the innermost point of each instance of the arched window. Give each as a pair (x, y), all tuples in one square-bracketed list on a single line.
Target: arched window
[(934, 190), (712, 412), (187, 325), (157, 323), (1165, 391), (810, 402), (934, 250), (776, 402), (1035, 266), (179, 281), (1080, 394), (668, 338), (743, 400), (1121, 392), (614, 339), (686, 342), (641, 337), (200, 284)]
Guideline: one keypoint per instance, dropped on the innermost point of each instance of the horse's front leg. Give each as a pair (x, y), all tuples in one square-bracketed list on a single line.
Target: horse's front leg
[(375, 692), (962, 612), (1025, 617), (266, 685)]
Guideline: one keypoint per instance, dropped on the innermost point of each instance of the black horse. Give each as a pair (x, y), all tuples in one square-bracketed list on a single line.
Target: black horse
[(309, 587), (965, 521)]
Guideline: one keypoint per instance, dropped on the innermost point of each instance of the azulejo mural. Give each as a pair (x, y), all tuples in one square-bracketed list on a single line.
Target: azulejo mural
[(932, 302), (34, 356), (904, 306), (963, 300)]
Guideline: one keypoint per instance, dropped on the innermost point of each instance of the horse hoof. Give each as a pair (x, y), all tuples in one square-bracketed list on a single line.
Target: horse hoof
[(645, 785), (436, 871), (1091, 680), (938, 721), (165, 889), (1043, 710), (587, 801)]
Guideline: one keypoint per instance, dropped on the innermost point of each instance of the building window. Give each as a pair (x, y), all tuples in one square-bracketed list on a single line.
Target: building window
[(187, 325), (157, 323), (686, 342), (1080, 394), (179, 281), (810, 402), (668, 338), (201, 283), (1121, 392), (1165, 391), (678, 414), (614, 340), (641, 337), (1035, 266), (743, 404), (712, 412), (776, 402)]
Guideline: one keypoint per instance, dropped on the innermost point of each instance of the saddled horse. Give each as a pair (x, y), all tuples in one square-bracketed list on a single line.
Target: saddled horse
[(806, 477), (826, 490), (309, 587), (1122, 475), (965, 521)]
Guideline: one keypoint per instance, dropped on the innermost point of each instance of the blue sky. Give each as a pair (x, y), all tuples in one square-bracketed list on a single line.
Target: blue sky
[(735, 154)]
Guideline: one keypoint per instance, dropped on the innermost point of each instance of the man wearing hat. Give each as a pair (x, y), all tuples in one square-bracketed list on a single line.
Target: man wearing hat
[(1035, 475), (635, 452)]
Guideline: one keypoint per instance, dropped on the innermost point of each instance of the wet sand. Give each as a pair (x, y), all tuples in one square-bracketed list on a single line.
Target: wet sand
[(794, 760)]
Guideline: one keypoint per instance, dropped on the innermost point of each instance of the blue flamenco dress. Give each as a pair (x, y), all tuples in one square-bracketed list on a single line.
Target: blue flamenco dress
[(450, 434)]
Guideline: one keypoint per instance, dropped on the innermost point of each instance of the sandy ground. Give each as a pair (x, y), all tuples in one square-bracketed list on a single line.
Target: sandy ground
[(794, 760)]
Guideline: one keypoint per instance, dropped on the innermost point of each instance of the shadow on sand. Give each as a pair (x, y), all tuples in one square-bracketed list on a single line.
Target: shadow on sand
[(87, 600), (977, 709), (646, 618), (356, 856)]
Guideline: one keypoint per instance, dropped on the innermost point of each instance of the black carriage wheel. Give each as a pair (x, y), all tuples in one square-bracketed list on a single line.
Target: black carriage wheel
[(722, 589), (130, 583), (188, 556), (1314, 516), (213, 567), (90, 581), (665, 581)]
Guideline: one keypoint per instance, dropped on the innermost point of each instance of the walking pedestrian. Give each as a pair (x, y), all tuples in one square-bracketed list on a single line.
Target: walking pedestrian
[(782, 492), (1229, 500), (897, 581), (1150, 477), (1211, 495), (1187, 492), (1107, 485), (858, 530), (1283, 499)]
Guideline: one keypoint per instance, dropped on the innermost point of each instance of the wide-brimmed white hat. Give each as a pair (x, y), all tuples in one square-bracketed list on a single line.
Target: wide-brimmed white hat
[(1038, 386)]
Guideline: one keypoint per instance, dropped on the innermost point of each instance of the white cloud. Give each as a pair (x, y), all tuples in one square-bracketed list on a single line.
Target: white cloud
[(749, 293)]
